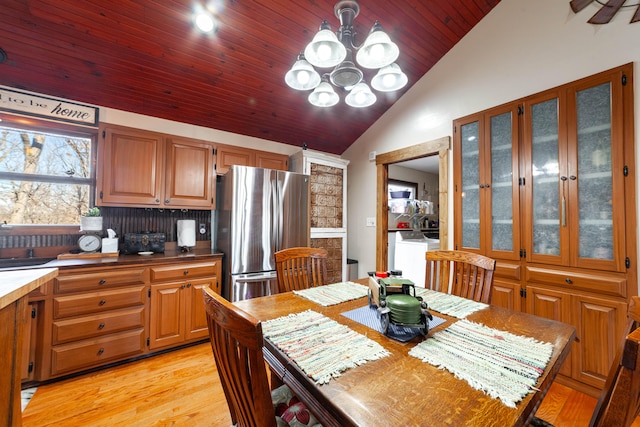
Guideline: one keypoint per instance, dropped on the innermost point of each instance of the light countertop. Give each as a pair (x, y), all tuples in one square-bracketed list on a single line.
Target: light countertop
[(17, 283)]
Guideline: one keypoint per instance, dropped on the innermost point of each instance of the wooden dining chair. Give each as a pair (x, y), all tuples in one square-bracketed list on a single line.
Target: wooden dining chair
[(619, 402), (236, 341), (301, 268), (460, 273)]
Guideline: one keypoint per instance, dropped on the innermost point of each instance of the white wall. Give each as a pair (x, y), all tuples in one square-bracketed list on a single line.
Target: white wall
[(125, 118), (520, 48)]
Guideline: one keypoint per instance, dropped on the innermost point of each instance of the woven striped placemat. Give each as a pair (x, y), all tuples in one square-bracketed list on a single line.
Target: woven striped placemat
[(499, 363), (334, 293), (320, 346), (451, 305)]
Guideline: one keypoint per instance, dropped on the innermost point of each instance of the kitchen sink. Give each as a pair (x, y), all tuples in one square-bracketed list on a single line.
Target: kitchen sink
[(23, 262)]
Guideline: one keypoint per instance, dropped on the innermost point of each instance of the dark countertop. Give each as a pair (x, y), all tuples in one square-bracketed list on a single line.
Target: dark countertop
[(168, 256)]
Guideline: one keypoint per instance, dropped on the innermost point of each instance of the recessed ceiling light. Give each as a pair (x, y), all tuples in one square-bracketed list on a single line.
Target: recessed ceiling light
[(205, 21)]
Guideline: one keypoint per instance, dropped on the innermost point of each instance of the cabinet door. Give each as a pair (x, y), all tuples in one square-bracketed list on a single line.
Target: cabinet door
[(167, 312), (546, 195), (130, 168), (600, 325), (486, 183), (196, 316), (596, 173), (189, 174), (506, 293), (30, 343), (555, 305), (272, 161), (226, 156)]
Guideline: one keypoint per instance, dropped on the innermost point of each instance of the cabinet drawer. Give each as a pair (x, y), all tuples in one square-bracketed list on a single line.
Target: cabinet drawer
[(96, 302), (587, 281), (85, 354), (183, 271), (507, 270), (97, 281), (97, 325)]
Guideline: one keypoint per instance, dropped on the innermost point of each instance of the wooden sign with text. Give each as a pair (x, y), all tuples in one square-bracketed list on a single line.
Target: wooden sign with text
[(13, 101)]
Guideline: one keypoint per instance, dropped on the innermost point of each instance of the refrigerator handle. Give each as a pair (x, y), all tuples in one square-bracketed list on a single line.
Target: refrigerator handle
[(276, 210)]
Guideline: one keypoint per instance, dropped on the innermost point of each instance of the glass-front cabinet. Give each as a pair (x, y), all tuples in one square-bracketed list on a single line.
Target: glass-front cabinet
[(574, 161), (486, 153), (546, 186)]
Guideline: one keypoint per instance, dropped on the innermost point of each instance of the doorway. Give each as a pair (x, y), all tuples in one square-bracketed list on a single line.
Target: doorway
[(440, 147)]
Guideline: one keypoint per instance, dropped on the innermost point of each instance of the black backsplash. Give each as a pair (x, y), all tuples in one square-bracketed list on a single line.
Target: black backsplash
[(121, 220), (135, 220)]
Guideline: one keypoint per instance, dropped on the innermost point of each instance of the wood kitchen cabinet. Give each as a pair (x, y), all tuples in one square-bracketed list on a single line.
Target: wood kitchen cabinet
[(148, 169), (92, 316), (228, 155), (545, 186), (98, 317), (177, 306)]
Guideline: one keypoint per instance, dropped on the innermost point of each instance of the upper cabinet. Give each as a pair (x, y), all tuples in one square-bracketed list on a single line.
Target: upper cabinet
[(486, 183), (189, 174), (227, 155), (147, 169), (574, 159), (556, 162)]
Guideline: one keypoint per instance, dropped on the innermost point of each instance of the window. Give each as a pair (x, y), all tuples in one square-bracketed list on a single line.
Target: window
[(46, 173)]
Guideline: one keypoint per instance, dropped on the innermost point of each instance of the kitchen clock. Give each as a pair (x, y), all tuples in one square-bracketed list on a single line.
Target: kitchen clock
[(89, 242)]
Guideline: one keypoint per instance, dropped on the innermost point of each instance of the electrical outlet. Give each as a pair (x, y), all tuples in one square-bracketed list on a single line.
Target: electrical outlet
[(371, 221)]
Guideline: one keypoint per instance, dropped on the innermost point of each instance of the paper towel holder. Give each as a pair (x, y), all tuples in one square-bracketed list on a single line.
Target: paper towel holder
[(186, 235)]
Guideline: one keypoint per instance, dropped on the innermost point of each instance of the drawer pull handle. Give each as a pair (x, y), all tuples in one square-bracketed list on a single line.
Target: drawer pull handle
[(101, 326), (102, 302), (182, 287), (188, 285), (568, 280), (102, 282), (185, 272), (100, 351)]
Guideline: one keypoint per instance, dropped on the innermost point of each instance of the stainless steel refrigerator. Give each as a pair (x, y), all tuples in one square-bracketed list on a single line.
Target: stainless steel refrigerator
[(260, 211)]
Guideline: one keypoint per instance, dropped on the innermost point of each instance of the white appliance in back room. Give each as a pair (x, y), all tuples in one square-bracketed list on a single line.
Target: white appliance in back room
[(410, 249)]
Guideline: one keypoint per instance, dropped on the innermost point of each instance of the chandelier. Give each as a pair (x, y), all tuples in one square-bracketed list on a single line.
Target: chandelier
[(329, 50)]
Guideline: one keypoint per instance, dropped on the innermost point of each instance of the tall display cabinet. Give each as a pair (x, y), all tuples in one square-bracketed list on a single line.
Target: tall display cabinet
[(546, 186), (328, 210)]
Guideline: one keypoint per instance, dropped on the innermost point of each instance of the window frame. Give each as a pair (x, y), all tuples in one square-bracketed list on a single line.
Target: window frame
[(46, 126)]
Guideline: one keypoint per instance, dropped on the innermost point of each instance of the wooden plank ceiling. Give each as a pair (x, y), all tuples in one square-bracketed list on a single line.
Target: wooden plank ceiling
[(145, 57)]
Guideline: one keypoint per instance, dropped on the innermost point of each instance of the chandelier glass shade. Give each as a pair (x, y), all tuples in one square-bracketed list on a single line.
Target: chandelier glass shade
[(328, 50)]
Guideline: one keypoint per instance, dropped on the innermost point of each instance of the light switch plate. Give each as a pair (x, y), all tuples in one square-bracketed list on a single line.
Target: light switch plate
[(371, 221)]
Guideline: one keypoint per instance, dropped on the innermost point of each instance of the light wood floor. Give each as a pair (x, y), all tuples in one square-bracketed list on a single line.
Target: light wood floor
[(181, 388)]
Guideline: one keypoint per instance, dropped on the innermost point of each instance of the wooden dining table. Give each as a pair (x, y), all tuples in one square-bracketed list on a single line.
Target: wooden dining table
[(401, 390)]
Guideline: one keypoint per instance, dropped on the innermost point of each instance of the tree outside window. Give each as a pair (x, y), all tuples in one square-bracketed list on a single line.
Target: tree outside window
[(45, 177)]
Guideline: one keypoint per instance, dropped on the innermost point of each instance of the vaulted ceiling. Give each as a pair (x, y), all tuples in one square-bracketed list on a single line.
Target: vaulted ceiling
[(144, 56)]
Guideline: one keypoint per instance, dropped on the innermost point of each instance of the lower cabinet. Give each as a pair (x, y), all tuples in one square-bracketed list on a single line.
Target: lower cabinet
[(98, 317), (177, 313), (90, 317), (599, 321)]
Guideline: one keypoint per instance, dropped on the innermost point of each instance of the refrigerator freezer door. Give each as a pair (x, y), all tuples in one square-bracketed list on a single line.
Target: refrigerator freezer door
[(253, 220), (293, 206), (245, 286)]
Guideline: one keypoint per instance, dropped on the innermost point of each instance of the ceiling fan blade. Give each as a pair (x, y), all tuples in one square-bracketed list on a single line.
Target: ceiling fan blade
[(578, 5), (636, 16), (606, 12)]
